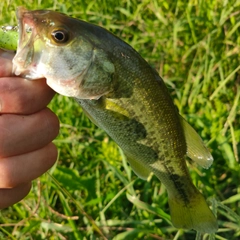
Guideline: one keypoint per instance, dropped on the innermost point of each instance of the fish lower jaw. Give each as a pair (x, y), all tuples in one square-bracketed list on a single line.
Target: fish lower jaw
[(69, 88)]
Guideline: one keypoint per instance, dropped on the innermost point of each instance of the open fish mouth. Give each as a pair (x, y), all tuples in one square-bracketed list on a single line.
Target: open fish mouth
[(25, 23), (25, 58), (28, 22)]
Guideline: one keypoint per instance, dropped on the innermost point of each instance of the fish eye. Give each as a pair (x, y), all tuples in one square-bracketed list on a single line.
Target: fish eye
[(60, 36)]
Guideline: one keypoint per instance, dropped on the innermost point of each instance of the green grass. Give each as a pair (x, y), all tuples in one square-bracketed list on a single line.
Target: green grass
[(92, 193)]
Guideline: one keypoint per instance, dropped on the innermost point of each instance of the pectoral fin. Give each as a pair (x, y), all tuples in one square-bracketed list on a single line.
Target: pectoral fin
[(196, 149)]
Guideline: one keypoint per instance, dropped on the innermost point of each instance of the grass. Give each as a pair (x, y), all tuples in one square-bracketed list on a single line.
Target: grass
[(92, 193)]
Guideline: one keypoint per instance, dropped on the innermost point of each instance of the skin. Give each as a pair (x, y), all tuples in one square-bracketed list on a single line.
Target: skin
[(27, 129)]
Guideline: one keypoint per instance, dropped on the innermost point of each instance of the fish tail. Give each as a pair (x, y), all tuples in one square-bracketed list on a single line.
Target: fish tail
[(192, 215)]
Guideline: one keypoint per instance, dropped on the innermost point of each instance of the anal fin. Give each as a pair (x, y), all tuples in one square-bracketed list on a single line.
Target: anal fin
[(140, 170)]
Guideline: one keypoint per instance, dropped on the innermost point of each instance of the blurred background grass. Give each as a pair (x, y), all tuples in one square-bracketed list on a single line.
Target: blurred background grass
[(92, 193)]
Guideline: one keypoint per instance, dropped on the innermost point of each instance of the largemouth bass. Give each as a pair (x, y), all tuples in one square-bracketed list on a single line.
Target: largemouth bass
[(122, 94)]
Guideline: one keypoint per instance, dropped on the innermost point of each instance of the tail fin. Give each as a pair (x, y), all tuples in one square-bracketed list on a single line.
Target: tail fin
[(195, 215)]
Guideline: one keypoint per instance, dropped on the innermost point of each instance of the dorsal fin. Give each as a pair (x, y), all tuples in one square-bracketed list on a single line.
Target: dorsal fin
[(196, 149)]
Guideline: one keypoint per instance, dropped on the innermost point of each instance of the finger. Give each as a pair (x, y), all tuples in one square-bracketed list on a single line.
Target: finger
[(6, 63), (14, 195), (18, 95), (22, 134), (24, 168)]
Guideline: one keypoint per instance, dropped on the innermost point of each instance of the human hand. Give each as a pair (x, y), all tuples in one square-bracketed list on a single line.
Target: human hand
[(27, 129)]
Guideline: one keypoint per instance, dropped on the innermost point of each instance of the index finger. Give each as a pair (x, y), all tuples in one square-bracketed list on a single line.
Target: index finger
[(6, 63), (21, 96), (18, 95)]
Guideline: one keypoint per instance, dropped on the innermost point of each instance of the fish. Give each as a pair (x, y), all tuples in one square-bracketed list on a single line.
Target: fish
[(122, 94)]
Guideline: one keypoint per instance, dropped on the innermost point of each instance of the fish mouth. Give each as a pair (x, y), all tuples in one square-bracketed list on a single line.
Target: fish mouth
[(26, 25), (27, 35), (28, 21)]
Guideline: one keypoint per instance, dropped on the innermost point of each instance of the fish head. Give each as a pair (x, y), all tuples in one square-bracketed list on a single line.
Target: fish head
[(57, 47)]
